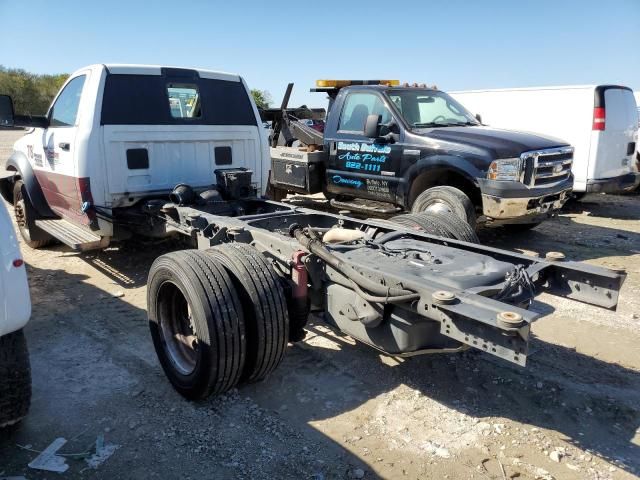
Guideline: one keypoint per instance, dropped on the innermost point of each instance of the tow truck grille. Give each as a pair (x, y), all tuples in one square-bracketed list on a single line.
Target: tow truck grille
[(546, 167)]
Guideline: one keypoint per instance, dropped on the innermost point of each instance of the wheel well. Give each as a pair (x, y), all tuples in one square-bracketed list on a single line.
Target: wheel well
[(6, 185), (444, 177)]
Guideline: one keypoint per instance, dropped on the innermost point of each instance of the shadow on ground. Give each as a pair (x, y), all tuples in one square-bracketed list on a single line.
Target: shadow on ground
[(593, 403), (95, 373)]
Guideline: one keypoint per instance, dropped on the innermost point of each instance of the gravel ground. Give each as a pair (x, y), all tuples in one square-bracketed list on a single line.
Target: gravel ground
[(336, 408)]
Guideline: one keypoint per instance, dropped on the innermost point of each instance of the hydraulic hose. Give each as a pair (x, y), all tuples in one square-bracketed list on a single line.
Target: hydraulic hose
[(384, 294)]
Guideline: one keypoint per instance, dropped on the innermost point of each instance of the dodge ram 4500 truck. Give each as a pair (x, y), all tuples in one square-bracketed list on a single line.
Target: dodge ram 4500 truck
[(388, 148), (154, 151)]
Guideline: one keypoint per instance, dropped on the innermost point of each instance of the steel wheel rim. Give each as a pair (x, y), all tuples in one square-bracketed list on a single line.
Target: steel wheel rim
[(177, 329), (438, 207), (19, 211)]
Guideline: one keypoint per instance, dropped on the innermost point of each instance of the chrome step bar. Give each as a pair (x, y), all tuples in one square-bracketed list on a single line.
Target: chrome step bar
[(73, 235)]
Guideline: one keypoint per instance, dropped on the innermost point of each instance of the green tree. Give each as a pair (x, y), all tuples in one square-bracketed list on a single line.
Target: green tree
[(32, 94), (261, 97)]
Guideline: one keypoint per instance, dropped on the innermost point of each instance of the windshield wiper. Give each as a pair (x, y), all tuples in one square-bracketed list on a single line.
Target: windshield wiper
[(440, 124), (430, 124)]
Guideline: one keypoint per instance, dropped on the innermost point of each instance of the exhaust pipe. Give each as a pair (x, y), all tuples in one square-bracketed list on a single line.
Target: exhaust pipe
[(182, 194)]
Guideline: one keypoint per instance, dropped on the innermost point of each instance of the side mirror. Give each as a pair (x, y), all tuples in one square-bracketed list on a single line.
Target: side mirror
[(372, 126), (479, 117), (6, 111)]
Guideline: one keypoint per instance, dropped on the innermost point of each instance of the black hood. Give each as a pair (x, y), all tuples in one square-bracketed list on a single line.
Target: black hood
[(498, 143)]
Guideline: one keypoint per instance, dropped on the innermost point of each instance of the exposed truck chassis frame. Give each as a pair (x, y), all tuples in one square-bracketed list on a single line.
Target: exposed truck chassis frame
[(436, 315)]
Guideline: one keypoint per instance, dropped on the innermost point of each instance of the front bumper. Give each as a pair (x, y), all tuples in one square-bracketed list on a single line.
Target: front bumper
[(514, 202), (614, 184)]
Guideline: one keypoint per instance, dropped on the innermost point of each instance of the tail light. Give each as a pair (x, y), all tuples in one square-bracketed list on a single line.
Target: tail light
[(18, 262), (598, 118)]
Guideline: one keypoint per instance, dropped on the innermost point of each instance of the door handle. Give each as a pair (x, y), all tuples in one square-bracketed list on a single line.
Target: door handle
[(64, 146)]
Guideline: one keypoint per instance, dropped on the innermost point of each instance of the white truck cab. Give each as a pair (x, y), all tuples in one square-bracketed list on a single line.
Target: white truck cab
[(116, 134), (15, 311), (599, 121)]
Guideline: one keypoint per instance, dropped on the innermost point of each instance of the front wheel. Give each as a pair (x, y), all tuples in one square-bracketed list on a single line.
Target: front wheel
[(446, 200), (25, 216), (15, 378)]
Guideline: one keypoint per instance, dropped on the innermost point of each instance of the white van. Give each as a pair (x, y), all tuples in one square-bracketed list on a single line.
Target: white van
[(599, 121), (637, 95)]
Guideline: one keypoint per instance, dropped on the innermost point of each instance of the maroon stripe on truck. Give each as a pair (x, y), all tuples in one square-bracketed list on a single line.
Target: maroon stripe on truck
[(65, 195)]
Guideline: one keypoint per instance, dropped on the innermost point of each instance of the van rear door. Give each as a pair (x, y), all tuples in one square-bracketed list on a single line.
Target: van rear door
[(614, 133)]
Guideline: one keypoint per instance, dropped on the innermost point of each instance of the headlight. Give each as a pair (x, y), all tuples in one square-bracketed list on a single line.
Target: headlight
[(505, 169)]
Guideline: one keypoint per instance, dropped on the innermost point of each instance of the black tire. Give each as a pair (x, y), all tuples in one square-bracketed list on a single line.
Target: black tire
[(453, 199), (25, 216), (265, 307), (15, 379), (422, 224), (460, 229), (520, 227), (202, 352)]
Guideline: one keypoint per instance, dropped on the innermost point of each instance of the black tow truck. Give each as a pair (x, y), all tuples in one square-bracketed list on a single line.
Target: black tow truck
[(388, 148)]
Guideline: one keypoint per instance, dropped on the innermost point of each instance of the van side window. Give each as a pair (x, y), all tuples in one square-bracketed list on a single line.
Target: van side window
[(184, 100), (65, 110), (356, 109)]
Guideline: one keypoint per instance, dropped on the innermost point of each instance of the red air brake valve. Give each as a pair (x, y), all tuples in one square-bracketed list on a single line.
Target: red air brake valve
[(299, 274)]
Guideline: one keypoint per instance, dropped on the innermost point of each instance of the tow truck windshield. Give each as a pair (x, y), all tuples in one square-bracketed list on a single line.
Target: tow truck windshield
[(430, 108)]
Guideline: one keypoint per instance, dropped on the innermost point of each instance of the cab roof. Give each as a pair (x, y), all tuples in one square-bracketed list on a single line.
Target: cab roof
[(137, 69)]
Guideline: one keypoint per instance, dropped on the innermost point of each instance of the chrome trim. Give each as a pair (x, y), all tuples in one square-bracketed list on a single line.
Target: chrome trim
[(535, 156), (550, 164), (552, 174), (505, 209)]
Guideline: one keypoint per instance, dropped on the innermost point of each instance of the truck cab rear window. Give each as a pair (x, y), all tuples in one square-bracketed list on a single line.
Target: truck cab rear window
[(161, 100), (184, 100)]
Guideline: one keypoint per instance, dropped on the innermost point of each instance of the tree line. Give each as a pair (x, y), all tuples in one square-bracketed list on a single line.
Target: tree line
[(31, 93)]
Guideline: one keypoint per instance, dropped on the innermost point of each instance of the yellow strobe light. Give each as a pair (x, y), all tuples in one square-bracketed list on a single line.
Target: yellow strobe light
[(346, 83)]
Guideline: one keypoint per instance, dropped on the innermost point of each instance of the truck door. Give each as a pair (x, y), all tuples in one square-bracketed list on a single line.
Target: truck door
[(54, 154), (357, 165)]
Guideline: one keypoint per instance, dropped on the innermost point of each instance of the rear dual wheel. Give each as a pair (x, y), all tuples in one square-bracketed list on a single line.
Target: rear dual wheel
[(264, 307), (216, 318)]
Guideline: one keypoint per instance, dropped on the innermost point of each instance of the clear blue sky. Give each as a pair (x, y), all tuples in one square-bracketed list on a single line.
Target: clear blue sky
[(455, 44)]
